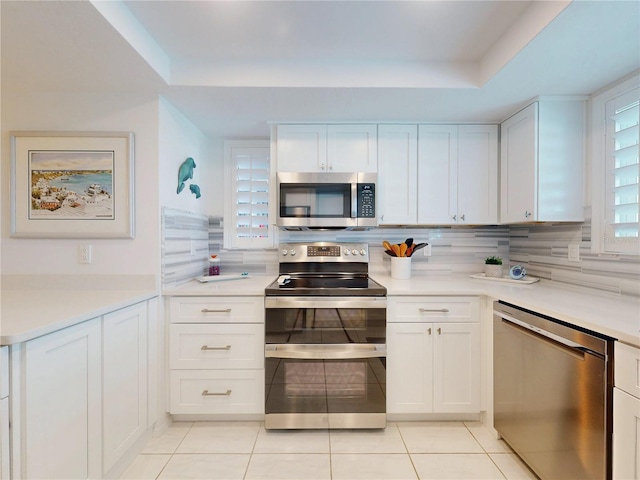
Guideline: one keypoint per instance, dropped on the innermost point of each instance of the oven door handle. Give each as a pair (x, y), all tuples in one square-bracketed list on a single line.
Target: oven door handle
[(325, 302), (325, 351)]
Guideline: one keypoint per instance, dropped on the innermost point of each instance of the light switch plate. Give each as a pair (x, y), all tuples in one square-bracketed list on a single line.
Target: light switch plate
[(84, 253), (574, 252)]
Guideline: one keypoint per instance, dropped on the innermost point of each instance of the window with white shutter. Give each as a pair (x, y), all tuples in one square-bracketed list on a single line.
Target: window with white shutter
[(622, 174), (247, 202)]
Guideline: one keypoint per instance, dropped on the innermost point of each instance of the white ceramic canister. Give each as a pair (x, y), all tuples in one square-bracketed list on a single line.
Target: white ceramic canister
[(401, 268)]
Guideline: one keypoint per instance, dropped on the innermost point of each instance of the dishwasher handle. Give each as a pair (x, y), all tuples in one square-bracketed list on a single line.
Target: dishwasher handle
[(508, 319)]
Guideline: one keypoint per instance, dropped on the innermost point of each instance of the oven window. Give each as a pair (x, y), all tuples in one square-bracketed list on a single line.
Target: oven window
[(307, 200), (325, 386), (325, 325)]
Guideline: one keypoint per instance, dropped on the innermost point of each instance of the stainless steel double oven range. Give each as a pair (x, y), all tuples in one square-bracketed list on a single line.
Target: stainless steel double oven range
[(325, 331)]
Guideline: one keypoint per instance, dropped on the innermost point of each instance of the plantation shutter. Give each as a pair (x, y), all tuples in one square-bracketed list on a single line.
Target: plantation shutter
[(622, 177), (247, 225)]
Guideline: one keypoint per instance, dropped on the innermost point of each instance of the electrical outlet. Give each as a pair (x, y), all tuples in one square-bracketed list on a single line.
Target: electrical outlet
[(574, 252), (84, 253), (427, 250)]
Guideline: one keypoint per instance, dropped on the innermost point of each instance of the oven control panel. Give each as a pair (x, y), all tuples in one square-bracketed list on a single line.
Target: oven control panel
[(324, 252)]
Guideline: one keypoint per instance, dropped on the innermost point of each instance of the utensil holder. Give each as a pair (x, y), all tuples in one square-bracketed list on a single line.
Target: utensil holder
[(401, 268)]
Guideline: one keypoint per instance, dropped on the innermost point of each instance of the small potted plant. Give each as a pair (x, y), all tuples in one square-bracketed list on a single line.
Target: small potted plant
[(493, 266)]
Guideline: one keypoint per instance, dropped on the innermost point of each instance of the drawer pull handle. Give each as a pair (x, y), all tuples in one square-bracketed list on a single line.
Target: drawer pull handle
[(205, 393), (441, 310), (429, 330), (207, 347), (439, 331), (212, 310)]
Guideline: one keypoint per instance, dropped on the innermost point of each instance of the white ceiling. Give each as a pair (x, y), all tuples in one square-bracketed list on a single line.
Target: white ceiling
[(233, 66)]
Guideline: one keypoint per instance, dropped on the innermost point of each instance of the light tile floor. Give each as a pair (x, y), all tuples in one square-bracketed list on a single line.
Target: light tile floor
[(404, 450)]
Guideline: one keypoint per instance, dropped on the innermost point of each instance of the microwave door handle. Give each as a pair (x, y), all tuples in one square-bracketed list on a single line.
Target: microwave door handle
[(354, 200)]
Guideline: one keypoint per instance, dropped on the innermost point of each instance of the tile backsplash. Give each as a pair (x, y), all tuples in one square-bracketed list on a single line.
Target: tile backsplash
[(188, 239)]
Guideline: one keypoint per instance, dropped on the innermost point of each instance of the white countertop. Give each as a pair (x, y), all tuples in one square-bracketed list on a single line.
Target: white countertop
[(252, 285), (29, 310), (614, 315), (28, 313)]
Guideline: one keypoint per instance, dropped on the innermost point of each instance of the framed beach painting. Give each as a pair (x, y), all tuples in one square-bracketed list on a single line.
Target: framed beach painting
[(72, 185)]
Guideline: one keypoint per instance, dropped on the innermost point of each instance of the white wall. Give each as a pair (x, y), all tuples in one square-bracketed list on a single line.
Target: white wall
[(137, 113), (179, 139)]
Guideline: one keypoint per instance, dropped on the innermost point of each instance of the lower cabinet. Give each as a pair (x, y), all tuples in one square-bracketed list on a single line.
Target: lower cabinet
[(61, 408), (433, 362), (80, 396), (626, 413), (216, 356), (124, 381), (5, 471)]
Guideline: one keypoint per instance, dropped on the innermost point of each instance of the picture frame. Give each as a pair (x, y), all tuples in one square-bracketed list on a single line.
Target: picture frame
[(72, 184)]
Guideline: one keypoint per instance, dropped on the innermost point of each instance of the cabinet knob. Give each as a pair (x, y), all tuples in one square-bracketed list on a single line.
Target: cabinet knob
[(455, 217), (462, 217)]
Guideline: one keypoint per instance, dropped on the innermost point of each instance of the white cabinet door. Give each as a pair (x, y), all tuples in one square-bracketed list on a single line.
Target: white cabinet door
[(542, 163), (457, 174), (626, 436), (61, 406), (477, 180), (518, 152), (4, 414), (124, 381), (456, 367), (352, 148), (437, 174), (409, 368), (302, 148), (397, 174)]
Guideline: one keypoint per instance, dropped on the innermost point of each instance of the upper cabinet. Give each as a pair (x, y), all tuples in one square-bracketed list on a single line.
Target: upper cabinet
[(457, 174), (542, 163), (327, 148), (397, 174)]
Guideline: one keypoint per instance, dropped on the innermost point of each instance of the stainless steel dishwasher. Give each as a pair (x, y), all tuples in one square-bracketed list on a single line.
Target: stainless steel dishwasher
[(553, 387)]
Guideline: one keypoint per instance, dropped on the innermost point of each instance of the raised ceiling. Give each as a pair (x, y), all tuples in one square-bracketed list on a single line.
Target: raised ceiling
[(233, 66)]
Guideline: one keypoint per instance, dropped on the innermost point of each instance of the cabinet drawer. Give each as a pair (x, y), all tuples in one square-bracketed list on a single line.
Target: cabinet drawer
[(627, 369), (217, 391), (216, 346), (433, 309), (216, 310)]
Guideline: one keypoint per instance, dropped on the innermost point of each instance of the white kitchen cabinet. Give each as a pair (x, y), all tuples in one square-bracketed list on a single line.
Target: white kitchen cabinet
[(542, 163), (216, 356), (457, 174), (5, 470), (397, 174), (62, 404), (79, 398), (124, 381), (327, 148), (626, 413), (433, 356)]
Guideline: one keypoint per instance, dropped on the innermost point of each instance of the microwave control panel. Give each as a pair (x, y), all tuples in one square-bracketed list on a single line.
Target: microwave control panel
[(366, 200)]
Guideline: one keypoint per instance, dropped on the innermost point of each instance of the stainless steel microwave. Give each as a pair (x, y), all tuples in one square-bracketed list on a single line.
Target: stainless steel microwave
[(326, 200)]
